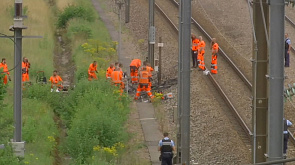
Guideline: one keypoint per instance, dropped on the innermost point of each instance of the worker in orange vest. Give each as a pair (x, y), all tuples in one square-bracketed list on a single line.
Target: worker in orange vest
[(214, 48), (117, 79), (91, 71), (201, 52), (195, 45), (134, 66), (25, 70), (143, 84), (56, 82), (150, 70), (109, 71), (5, 71)]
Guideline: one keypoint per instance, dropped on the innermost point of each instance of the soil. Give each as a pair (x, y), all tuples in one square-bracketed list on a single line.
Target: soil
[(209, 145), (129, 51), (214, 137)]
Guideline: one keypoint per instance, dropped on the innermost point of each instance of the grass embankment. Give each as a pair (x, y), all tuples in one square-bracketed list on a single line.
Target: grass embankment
[(38, 124), (94, 114)]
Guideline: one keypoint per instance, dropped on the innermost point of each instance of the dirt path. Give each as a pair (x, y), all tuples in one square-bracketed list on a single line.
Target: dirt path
[(129, 51)]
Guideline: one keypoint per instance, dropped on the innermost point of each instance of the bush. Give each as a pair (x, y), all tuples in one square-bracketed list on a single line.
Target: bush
[(99, 119), (71, 12)]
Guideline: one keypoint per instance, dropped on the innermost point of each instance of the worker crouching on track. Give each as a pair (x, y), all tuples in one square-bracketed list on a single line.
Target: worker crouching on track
[(92, 70), (201, 52), (134, 66), (117, 79), (143, 85), (214, 48), (3, 65), (150, 71), (109, 71), (56, 82)]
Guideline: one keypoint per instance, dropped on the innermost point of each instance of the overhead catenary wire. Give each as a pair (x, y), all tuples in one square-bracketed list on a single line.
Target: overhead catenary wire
[(264, 23), (16, 46)]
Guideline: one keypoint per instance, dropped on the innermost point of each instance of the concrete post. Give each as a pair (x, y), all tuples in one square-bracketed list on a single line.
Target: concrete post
[(18, 27), (127, 11), (259, 88), (185, 117), (151, 32), (179, 91), (160, 62), (276, 81)]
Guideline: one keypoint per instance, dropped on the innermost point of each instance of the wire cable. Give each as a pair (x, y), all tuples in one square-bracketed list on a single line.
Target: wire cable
[(264, 23), (17, 47)]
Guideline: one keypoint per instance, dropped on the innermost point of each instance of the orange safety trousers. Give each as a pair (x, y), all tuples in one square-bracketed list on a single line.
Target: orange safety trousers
[(25, 77), (5, 79), (201, 62), (92, 76), (214, 64), (134, 74), (122, 87), (143, 87)]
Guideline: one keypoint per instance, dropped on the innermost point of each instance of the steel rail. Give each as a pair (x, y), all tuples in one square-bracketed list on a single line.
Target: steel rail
[(290, 22), (221, 52), (217, 86)]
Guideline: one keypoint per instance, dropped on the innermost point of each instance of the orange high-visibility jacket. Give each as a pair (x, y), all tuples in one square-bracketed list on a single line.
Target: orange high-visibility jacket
[(149, 69), (55, 79), (5, 68), (144, 77), (215, 48), (136, 62), (109, 72), (92, 68), (195, 44), (25, 67), (117, 77), (202, 46)]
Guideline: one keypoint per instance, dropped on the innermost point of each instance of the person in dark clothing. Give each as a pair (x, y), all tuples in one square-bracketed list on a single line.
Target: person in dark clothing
[(287, 124), (195, 44), (166, 146), (287, 50)]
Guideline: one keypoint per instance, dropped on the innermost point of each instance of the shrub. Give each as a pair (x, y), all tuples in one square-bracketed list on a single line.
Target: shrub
[(71, 12), (99, 119)]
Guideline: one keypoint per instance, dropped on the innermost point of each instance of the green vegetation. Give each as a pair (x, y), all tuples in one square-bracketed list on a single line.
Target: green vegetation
[(92, 116), (74, 12)]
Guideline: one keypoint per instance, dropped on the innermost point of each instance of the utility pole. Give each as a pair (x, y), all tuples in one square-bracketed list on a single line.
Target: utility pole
[(127, 11), (180, 81), (276, 81), (152, 32), (160, 45), (120, 4), (18, 26), (185, 114), (259, 89)]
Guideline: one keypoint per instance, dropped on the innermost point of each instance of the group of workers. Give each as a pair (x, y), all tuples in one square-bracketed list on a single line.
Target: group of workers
[(198, 51), (25, 70), (140, 74)]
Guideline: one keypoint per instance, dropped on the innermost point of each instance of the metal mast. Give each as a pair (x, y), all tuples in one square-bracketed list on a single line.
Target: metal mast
[(276, 80), (259, 89), (180, 81), (186, 53)]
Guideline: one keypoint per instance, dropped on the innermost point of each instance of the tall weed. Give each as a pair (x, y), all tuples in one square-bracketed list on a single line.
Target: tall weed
[(71, 12)]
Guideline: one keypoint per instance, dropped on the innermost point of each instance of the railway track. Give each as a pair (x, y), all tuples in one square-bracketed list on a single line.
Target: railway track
[(241, 122), (289, 21), (245, 128)]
